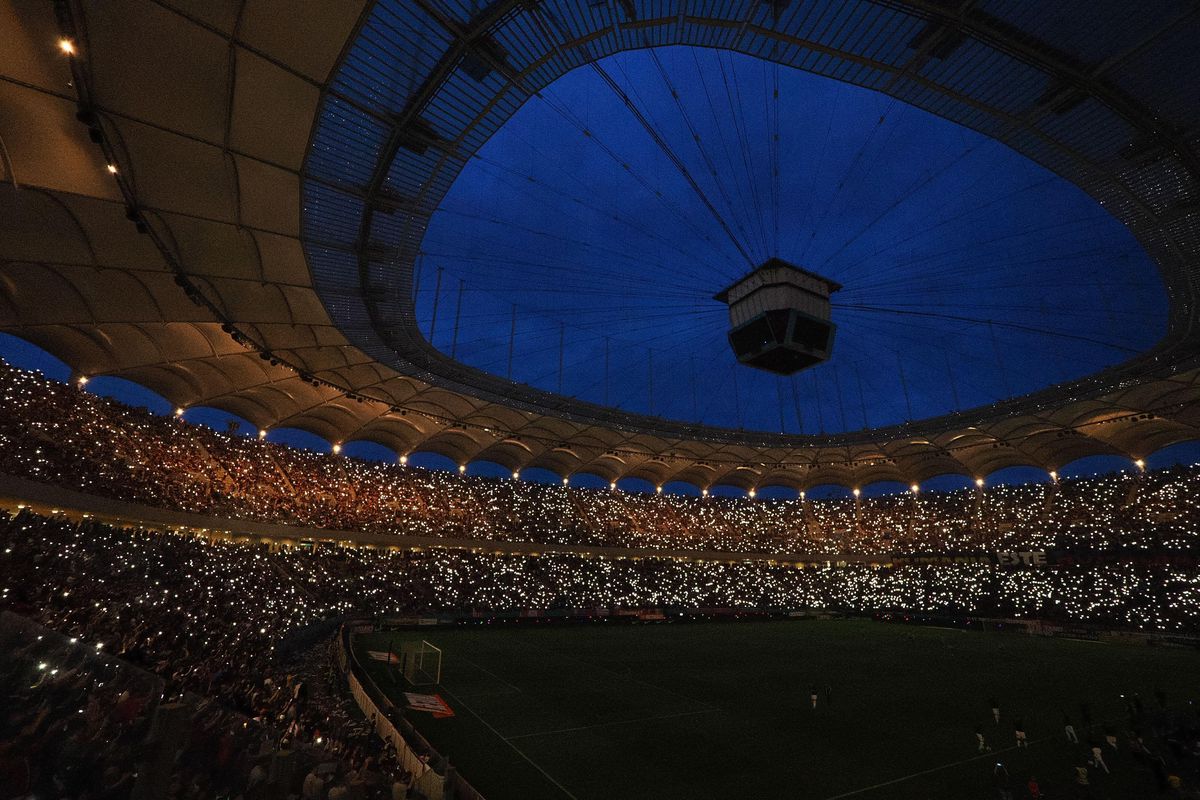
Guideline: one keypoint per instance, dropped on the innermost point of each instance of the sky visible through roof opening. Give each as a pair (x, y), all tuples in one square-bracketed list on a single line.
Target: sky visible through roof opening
[(577, 238), (580, 248)]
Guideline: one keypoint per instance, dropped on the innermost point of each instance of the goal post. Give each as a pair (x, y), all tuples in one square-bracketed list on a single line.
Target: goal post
[(421, 663)]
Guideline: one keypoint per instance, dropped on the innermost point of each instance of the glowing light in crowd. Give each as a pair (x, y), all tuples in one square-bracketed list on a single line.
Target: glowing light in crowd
[(101, 447)]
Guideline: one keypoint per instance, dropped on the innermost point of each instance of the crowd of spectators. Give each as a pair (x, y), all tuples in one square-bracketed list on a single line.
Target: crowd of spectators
[(81, 724), (160, 638), (61, 435), (128, 638), (166, 637), (191, 610)]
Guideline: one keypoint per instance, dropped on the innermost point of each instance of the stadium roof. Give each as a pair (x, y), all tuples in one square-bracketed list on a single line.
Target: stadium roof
[(222, 201)]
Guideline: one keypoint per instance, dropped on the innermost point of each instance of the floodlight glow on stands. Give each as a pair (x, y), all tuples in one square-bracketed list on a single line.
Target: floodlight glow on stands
[(915, 488), (566, 481), (1140, 464), (704, 492), (1053, 476), (752, 494), (462, 468), (613, 485), (82, 381), (179, 411), (801, 494), (67, 46), (979, 482), (516, 474), (112, 169), (262, 433), (403, 460), (857, 491), (658, 490)]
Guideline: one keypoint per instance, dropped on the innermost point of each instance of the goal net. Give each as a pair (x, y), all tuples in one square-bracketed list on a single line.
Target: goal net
[(421, 663)]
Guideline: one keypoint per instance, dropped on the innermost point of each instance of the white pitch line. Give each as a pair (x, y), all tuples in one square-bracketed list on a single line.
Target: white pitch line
[(614, 722), (496, 693), (516, 749), (989, 754), (489, 672)]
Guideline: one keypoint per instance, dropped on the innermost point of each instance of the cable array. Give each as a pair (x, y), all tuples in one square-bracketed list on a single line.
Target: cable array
[(589, 236)]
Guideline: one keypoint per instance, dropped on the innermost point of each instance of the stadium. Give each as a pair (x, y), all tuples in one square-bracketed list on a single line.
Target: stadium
[(599, 399)]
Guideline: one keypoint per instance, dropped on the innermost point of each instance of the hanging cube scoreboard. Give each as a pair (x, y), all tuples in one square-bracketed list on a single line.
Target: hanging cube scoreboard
[(779, 317)]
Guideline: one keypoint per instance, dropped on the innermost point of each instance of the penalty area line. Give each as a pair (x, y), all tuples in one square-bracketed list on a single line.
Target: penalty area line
[(516, 749), (613, 722), (489, 673)]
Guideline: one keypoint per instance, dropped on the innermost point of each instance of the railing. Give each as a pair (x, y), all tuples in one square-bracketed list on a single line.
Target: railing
[(425, 779), (414, 753)]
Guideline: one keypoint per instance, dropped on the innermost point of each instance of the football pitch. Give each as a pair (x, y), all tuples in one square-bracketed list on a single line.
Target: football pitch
[(596, 712)]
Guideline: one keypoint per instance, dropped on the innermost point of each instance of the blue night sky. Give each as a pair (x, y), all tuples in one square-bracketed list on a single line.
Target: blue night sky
[(970, 274)]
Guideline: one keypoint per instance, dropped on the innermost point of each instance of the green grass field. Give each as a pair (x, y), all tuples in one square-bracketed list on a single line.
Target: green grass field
[(723, 710)]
